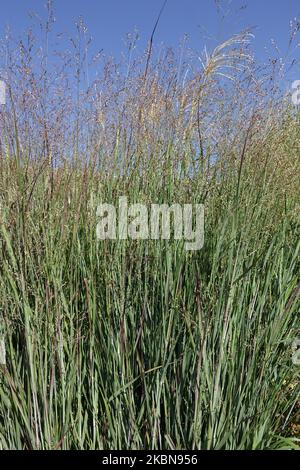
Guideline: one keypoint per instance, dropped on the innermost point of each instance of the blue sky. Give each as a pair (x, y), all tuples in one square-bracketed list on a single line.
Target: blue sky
[(110, 20)]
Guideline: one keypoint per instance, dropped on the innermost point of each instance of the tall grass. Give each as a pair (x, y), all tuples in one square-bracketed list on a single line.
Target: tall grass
[(141, 344)]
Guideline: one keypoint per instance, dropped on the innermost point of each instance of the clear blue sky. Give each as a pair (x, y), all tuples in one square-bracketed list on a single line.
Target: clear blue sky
[(110, 20)]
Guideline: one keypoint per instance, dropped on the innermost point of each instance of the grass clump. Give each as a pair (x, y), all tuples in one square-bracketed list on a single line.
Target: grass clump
[(142, 344)]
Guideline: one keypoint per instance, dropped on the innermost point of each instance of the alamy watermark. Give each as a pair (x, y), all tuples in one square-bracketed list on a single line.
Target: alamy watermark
[(296, 352), (2, 92), (296, 92), (2, 352), (159, 221)]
